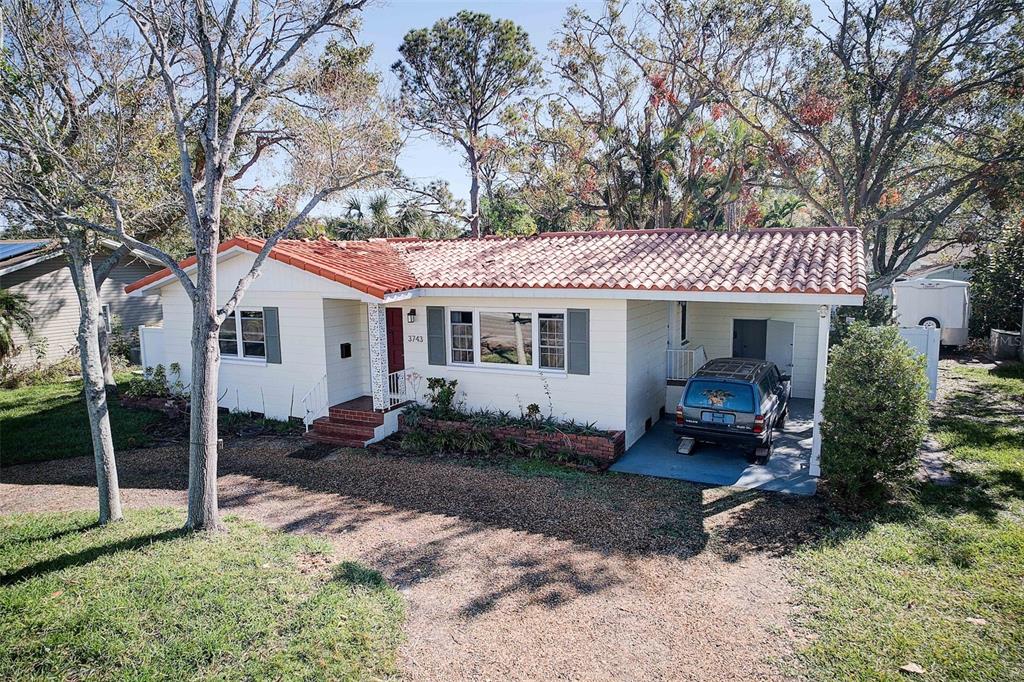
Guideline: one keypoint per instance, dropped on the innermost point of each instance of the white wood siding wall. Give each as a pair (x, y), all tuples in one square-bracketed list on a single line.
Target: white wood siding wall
[(646, 340), (54, 304), (275, 390), (345, 322), (710, 325), (598, 397)]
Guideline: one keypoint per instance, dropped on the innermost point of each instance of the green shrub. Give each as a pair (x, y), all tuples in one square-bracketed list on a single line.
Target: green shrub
[(442, 397), (510, 447), (539, 451), (40, 374), (156, 382), (875, 412), (997, 285), (876, 311), (446, 441), (417, 441), (477, 441)]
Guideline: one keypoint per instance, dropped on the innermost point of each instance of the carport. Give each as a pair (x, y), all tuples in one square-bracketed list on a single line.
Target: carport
[(787, 471)]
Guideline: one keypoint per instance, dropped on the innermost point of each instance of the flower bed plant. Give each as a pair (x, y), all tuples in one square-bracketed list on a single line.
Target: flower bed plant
[(444, 426)]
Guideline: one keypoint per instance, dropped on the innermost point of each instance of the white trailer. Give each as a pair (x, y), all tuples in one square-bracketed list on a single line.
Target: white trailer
[(943, 304)]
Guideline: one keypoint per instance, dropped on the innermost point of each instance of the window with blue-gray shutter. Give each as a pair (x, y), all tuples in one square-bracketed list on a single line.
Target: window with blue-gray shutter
[(436, 354), (579, 341), (272, 331)]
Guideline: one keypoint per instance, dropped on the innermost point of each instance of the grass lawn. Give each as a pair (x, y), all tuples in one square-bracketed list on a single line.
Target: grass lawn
[(141, 600), (937, 581), (49, 421)]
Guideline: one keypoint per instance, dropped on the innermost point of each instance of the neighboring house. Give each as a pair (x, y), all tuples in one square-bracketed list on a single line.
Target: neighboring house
[(38, 269), (594, 324)]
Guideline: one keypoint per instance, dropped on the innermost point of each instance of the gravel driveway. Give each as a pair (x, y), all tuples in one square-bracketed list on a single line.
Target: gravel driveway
[(509, 575)]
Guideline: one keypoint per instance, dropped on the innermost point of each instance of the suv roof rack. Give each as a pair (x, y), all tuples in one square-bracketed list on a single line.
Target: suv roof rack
[(740, 369)]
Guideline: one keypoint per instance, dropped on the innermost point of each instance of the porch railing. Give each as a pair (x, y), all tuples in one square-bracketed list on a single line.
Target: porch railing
[(315, 402), (681, 363), (398, 387)]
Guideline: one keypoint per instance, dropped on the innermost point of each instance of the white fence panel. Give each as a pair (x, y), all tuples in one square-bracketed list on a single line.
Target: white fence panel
[(926, 343), (151, 343)]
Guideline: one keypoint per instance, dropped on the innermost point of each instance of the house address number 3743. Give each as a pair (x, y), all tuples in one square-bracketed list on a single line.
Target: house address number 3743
[(414, 338)]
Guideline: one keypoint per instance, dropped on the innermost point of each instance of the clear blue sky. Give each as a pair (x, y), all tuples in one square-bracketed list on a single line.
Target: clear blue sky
[(386, 23)]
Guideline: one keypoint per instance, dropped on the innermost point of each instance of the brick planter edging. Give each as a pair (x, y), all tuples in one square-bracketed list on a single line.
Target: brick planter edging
[(603, 449), (172, 407)]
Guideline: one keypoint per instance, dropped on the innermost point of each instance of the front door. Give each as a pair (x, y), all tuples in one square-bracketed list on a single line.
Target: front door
[(749, 338), (396, 349)]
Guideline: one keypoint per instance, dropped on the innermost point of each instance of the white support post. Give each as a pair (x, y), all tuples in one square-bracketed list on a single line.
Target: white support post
[(378, 355), (824, 326)]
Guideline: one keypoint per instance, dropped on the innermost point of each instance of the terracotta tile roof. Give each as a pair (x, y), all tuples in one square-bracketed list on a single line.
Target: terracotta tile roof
[(798, 261), (371, 267), (819, 260)]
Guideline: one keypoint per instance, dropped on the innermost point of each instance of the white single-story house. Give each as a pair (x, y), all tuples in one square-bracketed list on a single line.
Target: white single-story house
[(595, 326)]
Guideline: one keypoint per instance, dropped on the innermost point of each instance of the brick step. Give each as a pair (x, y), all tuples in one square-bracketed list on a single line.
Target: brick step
[(356, 416), (332, 440), (344, 428)]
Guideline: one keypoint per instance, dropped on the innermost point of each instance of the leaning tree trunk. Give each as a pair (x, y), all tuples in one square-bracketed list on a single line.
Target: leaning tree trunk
[(203, 513), (92, 378), (108, 367)]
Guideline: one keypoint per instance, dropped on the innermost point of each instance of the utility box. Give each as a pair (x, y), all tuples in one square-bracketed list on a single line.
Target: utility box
[(1004, 345), (943, 304)]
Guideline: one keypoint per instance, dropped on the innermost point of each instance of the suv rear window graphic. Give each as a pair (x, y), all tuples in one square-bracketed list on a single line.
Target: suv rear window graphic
[(719, 395)]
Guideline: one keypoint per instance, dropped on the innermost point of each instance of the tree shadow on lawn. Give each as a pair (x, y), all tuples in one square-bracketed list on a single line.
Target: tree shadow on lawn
[(422, 518), (86, 556), (607, 513)]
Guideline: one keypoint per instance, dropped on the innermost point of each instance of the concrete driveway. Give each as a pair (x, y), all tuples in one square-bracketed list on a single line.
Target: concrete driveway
[(655, 455)]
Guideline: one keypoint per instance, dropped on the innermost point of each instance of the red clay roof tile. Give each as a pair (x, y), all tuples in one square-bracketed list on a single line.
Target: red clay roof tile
[(817, 260)]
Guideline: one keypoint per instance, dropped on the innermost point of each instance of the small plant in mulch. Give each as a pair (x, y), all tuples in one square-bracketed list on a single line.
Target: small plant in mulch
[(416, 441), (251, 425), (511, 447), (477, 441), (156, 382), (539, 451)]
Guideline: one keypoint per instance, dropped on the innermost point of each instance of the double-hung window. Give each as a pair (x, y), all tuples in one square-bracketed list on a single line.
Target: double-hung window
[(526, 339), (552, 340), (462, 336), (243, 335)]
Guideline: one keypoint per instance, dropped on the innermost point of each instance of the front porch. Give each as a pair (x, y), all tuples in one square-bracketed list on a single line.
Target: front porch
[(365, 383)]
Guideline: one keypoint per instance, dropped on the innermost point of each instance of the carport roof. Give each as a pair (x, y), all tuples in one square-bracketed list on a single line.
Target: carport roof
[(805, 261)]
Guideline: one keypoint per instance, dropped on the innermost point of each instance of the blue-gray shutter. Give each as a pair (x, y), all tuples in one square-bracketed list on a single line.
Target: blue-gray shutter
[(579, 341), (436, 354), (272, 335)]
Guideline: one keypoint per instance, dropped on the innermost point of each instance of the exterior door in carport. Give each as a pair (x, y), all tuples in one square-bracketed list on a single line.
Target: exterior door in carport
[(770, 340), (779, 344), (749, 338)]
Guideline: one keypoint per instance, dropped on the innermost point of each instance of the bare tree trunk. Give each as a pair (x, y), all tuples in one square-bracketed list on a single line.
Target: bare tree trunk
[(203, 513), (92, 379), (107, 365), (474, 192)]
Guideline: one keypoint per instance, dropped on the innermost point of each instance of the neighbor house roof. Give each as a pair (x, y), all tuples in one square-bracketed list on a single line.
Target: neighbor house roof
[(17, 253), (807, 261)]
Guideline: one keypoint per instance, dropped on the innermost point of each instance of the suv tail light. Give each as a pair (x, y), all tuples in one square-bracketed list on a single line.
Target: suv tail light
[(759, 423), (679, 415)]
